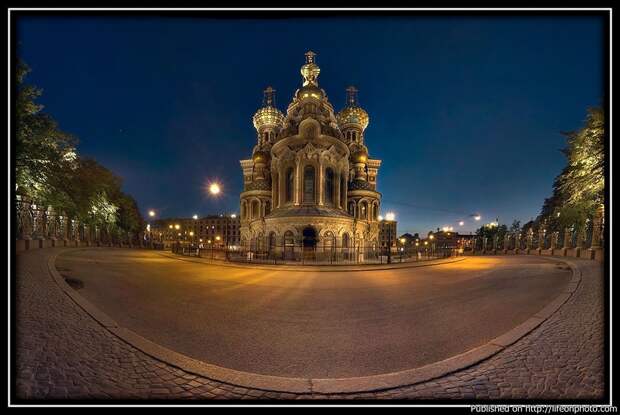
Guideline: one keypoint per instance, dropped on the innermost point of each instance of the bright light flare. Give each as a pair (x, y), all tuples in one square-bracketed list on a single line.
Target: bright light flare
[(214, 188), (461, 223), (152, 213), (195, 217), (390, 216)]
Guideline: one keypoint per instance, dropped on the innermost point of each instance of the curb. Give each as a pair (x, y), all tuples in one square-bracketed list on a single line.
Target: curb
[(324, 386), (319, 268)]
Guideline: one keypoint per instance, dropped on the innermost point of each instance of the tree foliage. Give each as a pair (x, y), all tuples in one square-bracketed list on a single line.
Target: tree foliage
[(579, 189), (49, 170)]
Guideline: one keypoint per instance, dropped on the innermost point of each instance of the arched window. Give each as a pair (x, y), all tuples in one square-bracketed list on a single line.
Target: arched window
[(288, 186), (289, 245), (345, 240), (352, 208), (329, 186), (272, 241), (255, 209), (328, 241), (363, 210), (309, 184)]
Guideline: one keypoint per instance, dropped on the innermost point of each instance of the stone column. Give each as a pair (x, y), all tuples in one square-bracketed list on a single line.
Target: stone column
[(297, 187), (320, 184), (337, 183), (529, 239)]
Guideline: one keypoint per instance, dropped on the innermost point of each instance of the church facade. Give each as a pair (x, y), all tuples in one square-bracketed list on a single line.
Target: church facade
[(310, 183)]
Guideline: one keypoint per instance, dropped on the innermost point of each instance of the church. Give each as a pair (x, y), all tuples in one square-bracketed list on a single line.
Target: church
[(310, 185)]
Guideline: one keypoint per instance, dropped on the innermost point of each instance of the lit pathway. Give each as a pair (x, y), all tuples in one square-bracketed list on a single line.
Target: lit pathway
[(63, 353)]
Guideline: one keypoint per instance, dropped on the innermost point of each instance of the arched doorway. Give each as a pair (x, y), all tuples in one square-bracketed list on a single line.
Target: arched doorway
[(309, 241), (309, 237)]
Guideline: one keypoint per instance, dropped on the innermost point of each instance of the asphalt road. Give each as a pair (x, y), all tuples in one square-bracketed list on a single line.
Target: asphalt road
[(315, 324)]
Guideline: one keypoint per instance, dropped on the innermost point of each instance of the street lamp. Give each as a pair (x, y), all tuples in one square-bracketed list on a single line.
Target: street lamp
[(214, 188), (389, 218)]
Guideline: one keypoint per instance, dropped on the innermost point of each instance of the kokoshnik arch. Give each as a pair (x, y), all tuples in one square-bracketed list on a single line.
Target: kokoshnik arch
[(310, 181)]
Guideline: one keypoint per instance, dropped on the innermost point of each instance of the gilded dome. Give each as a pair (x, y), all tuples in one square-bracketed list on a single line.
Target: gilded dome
[(268, 115), (352, 115), (359, 154), (261, 156), (310, 91)]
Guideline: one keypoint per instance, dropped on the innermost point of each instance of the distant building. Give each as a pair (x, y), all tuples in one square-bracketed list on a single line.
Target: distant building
[(220, 230), (449, 240), (387, 233)]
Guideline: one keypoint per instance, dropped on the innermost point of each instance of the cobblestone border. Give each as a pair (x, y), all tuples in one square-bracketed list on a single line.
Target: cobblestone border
[(323, 386)]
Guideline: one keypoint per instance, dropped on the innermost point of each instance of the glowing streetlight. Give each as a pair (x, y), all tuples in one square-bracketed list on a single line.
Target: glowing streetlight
[(217, 238), (214, 189), (170, 226), (461, 223), (191, 233), (380, 218), (431, 237), (403, 240), (177, 227), (152, 213), (233, 216), (195, 217), (477, 217)]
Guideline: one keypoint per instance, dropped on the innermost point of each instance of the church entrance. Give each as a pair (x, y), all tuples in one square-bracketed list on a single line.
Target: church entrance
[(309, 242)]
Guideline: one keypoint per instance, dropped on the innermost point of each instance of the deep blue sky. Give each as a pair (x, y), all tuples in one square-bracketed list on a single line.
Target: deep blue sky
[(465, 112)]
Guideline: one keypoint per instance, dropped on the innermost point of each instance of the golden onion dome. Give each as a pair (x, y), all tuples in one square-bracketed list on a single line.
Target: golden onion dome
[(261, 156), (309, 92), (268, 115), (352, 115), (359, 154)]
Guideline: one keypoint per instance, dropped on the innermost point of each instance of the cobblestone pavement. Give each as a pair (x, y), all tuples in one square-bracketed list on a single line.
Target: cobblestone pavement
[(62, 353)]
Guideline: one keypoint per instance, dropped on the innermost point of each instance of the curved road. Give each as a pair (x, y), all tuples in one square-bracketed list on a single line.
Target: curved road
[(315, 324)]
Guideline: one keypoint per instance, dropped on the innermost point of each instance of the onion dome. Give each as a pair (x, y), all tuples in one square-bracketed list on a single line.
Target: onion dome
[(359, 154), (352, 115), (268, 116), (261, 156)]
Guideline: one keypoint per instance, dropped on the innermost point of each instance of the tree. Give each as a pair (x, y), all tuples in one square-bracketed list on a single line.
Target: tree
[(44, 155), (515, 227), (49, 170), (579, 189)]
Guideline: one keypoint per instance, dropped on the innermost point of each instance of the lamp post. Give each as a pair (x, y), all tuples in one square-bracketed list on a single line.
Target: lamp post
[(389, 218)]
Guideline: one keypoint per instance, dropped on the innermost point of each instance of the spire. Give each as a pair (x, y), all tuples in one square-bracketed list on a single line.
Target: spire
[(269, 97), (352, 96)]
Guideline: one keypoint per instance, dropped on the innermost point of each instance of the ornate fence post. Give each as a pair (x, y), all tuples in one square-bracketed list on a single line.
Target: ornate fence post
[(529, 239), (581, 238), (517, 242), (506, 242), (541, 239), (596, 248), (554, 241)]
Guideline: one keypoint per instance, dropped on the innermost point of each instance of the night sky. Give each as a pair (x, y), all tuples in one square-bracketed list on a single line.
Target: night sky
[(465, 112)]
